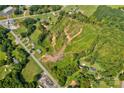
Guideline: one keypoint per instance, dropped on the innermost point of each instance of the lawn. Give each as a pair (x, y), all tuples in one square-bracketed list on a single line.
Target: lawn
[(87, 10), (3, 55), (21, 29), (116, 6), (34, 37), (84, 40), (4, 70), (30, 71)]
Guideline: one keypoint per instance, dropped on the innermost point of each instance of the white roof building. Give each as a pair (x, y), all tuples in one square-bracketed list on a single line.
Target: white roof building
[(7, 11)]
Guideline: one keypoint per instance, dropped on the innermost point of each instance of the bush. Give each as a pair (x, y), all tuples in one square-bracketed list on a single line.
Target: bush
[(121, 76)]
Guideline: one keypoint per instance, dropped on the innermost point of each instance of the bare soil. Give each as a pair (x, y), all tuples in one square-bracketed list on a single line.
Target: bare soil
[(60, 54)]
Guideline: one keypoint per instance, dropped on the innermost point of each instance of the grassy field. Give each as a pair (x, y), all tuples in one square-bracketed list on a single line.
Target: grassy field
[(3, 55), (65, 23), (103, 47), (116, 6), (20, 30), (30, 71), (84, 40), (4, 70), (87, 10)]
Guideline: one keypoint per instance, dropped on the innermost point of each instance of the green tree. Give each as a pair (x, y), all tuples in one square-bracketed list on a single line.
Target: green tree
[(121, 76)]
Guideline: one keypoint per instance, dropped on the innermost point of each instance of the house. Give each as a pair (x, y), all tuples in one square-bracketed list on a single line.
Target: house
[(39, 51), (15, 61)]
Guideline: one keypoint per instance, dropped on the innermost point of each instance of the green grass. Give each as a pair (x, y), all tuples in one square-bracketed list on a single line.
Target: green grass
[(84, 40), (21, 29), (109, 48), (30, 71), (17, 55), (4, 71), (116, 6), (60, 27), (3, 55), (35, 35), (104, 85), (87, 10)]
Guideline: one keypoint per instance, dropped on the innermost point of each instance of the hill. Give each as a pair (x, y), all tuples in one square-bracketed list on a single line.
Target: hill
[(96, 53)]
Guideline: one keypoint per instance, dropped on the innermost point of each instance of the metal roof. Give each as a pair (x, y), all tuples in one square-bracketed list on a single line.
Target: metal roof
[(8, 9)]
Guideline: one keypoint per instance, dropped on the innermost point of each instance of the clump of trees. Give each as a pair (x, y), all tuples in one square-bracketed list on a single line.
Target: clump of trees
[(18, 10), (3, 7), (63, 70), (121, 76), (42, 37), (30, 30), (6, 44), (29, 23), (45, 32), (39, 9), (79, 16), (110, 16), (14, 79)]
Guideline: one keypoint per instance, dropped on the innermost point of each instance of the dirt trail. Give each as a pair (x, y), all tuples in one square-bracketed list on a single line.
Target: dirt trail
[(67, 34), (69, 37), (55, 57), (77, 34), (60, 54), (54, 41)]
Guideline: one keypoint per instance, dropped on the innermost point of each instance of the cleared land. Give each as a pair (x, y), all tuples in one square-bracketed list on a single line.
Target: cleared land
[(4, 71), (30, 71)]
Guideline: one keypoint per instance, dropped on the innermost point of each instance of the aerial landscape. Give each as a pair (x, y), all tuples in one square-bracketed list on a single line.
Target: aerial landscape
[(61, 46)]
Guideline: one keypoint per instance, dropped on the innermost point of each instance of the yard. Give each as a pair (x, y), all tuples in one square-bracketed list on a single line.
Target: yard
[(87, 10), (4, 71), (3, 55), (30, 71)]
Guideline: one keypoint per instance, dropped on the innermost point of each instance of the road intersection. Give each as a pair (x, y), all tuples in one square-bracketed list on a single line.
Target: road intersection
[(23, 45)]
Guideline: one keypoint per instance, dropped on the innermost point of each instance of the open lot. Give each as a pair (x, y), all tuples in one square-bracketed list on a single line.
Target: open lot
[(30, 71), (85, 9), (82, 46), (4, 71), (3, 55)]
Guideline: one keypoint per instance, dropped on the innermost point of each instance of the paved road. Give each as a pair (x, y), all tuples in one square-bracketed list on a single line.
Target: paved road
[(35, 59), (22, 17)]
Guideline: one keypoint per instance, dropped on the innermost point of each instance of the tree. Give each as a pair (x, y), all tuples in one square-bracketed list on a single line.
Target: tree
[(31, 29), (121, 76), (56, 7), (63, 71), (2, 62), (3, 7), (18, 11), (42, 37), (29, 21)]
